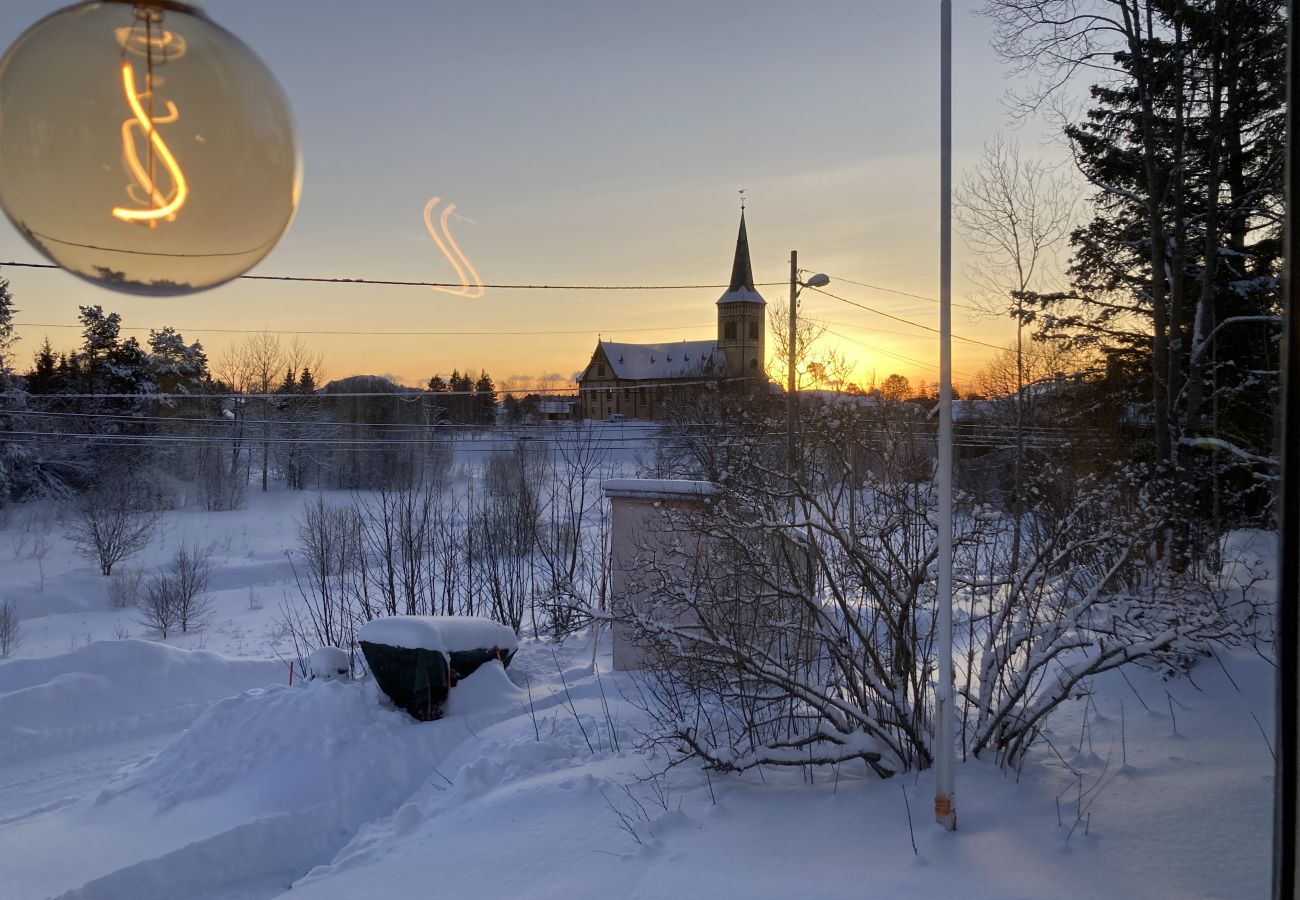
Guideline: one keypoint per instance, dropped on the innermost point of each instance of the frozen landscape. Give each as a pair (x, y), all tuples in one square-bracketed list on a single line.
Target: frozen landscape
[(138, 768), (886, 557)]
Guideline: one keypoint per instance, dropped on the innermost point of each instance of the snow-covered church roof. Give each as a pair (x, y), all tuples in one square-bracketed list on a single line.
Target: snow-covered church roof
[(741, 289), (650, 361)]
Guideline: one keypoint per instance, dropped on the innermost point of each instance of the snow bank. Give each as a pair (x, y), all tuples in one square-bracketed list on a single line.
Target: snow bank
[(487, 688), (441, 633), (261, 788), (114, 688)]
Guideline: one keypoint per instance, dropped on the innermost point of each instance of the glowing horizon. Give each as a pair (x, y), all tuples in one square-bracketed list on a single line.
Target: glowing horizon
[(594, 145)]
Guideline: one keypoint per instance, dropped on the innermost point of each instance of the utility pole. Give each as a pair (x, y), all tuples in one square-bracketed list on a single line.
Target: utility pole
[(945, 808), (790, 399)]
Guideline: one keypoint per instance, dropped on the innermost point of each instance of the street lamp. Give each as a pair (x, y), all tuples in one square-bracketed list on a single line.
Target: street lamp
[(817, 281)]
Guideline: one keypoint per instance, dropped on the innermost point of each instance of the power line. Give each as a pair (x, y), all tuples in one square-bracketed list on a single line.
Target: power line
[(929, 366), (409, 395), (200, 329), (773, 438), (387, 282), (877, 287), (990, 429), (901, 319)]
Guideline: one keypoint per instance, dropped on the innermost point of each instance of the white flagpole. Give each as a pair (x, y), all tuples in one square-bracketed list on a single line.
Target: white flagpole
[(945, 808)]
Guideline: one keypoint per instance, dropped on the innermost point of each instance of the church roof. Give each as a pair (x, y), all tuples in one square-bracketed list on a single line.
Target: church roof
[(653, 361), (741, 289)]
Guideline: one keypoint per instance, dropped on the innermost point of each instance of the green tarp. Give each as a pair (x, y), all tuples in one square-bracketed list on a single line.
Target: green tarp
[(418, 680), (415, 680)]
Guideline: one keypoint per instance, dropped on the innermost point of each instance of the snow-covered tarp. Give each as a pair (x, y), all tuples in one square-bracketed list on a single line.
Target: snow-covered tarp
[(445, 634)]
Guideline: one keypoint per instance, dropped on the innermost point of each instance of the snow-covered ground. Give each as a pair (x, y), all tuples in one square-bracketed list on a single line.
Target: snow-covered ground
[(138, 769)]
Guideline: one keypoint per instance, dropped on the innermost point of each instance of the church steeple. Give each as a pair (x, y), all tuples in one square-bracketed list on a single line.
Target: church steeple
[(740, 315), (741, 289), (742, 274)]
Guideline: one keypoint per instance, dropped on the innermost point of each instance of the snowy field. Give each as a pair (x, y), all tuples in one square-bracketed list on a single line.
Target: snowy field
[(132, 768)]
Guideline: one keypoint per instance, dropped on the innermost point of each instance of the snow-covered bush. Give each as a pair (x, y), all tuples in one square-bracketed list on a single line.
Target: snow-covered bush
[(328, 664), (802, 629)]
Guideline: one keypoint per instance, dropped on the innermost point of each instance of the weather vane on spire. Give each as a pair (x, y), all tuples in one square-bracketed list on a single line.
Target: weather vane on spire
[(742, 199)]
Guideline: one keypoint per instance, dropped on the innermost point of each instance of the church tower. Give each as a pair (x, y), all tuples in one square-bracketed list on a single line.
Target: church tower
[(741, 314)]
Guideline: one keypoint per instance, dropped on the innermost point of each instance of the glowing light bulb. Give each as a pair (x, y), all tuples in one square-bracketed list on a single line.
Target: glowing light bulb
[(143, 147)]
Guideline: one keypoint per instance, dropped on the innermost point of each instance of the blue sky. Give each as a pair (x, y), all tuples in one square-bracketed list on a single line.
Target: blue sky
[(589, 142)]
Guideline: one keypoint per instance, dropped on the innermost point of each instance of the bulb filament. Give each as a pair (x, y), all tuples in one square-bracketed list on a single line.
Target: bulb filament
[(146, 190), (454, 255)]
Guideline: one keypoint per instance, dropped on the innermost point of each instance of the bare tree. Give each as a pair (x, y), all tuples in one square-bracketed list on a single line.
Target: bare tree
[(256, 366), (125, 587), (332, 580), (807, 333), (176, 595), (570, 496), (1015, 216), (109, 522), (158, 610), (10, 627), (190, 571), (779, 642)]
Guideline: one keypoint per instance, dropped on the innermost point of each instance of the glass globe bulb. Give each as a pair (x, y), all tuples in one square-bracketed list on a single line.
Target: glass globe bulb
[(144, 147)]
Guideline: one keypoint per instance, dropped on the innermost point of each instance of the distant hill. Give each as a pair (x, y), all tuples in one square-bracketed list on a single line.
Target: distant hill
[(366, 384)]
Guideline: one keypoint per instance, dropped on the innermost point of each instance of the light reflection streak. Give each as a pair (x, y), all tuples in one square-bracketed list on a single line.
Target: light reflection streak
[(465, 271)]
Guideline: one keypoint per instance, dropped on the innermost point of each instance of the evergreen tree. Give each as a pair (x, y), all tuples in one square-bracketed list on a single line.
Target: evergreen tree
[(99, 333), (7, 336), (10, 395), (44, 375), (485, 399), (175, 366), (129, 369), (1175, 275), (460, 407)]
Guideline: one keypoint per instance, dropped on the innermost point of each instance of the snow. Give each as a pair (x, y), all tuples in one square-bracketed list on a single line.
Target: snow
[(674, 360), (657, 487), (441, 633), (742, 295), (328, 663), (139, 769), (113, 686)]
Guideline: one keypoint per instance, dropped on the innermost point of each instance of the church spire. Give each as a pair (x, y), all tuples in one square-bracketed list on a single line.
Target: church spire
[(742, 275), (741, 288)]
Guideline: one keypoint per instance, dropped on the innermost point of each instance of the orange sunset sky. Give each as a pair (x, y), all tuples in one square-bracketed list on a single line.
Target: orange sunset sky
[(590, 143)]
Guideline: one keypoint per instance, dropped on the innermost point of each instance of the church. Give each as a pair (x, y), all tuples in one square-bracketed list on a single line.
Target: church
[(640, 381)]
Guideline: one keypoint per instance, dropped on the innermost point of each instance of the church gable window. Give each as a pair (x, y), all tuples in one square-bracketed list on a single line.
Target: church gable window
[(729, 331), (753, 331)]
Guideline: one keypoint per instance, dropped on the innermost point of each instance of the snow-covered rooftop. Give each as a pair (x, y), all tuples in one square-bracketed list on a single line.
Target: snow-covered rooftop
[(654, 488), (742, 295), (650, 361)]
